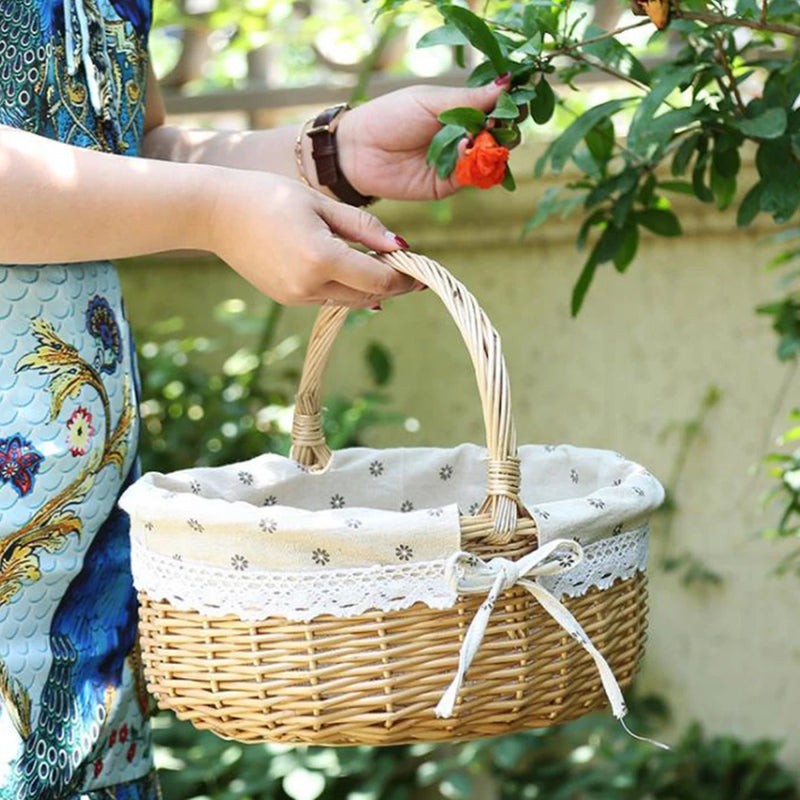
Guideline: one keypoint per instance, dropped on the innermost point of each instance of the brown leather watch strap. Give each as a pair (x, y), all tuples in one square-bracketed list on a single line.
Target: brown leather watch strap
[(324, 152)]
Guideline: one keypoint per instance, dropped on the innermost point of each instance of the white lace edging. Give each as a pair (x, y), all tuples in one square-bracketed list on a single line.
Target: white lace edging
[(299, 596), (604, 562), (253, 595)]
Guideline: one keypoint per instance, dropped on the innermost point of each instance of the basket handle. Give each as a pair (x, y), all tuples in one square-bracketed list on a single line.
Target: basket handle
[(483, 343)]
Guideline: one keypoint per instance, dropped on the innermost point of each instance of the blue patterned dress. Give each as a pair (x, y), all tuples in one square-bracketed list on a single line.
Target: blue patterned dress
[(73, 711)]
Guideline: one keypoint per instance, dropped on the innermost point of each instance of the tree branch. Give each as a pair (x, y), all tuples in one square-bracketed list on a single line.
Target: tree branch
[(722, 57), (739, 22), (595, 64), (563, 50)]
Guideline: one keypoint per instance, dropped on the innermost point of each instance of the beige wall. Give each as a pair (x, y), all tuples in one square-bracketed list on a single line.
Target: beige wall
[(641, 355)]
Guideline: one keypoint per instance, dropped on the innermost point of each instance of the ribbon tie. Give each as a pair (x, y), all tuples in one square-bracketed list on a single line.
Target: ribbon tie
[(469, 574)]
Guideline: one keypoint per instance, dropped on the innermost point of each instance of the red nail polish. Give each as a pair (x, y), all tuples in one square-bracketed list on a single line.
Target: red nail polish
[(402, 242), (500, 80), (376, 307)]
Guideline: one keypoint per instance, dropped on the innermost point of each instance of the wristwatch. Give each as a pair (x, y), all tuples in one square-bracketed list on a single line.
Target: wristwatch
[(324, 152)]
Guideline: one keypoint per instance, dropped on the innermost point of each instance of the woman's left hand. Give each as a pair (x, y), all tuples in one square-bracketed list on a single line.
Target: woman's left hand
[(383, 143)]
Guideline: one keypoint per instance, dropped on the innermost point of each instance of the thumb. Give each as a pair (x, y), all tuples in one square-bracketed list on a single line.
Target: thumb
[(482, 97), (357, 225)]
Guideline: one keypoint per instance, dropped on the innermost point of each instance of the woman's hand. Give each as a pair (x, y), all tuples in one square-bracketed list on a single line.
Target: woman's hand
[(383, 143), (283, 238)]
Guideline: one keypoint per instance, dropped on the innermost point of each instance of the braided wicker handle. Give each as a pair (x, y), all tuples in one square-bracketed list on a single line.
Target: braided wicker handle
[(483, 343)]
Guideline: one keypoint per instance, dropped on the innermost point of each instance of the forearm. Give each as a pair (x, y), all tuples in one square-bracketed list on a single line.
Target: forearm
[(268, 150), (62, 204)]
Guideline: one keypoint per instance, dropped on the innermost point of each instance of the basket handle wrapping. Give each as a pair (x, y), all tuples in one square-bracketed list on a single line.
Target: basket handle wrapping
[(483, 343)]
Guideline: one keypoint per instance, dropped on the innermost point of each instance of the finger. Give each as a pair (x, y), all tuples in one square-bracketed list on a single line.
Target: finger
[(342, 295), (357, 225), (365, 274), (481, 97)]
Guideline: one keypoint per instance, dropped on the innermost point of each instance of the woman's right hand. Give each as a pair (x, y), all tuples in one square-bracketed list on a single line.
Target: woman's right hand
[(289, 241)]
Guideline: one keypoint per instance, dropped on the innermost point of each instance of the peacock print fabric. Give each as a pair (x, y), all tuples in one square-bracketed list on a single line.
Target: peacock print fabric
[(73, 708)]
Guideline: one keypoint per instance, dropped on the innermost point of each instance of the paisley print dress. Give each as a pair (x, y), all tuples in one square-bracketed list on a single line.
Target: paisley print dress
[(73, 711)]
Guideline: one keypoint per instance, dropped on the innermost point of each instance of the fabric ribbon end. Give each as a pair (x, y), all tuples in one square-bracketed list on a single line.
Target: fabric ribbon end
[(642, 738), (447, 703)]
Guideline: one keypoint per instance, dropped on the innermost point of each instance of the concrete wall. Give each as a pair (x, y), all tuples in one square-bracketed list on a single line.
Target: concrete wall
[(641, 355)]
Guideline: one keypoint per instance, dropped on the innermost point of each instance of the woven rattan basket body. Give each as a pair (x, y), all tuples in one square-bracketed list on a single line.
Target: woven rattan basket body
[(376, 678)]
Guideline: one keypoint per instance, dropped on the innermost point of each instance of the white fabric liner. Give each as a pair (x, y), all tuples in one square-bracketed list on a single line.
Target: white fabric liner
[(388, 516)]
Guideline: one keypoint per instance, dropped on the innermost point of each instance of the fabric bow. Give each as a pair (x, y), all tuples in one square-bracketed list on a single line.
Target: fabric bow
[(469, 574)]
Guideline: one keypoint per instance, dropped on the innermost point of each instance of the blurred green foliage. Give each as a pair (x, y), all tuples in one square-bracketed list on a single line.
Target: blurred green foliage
[(590, 759), (196, 413)]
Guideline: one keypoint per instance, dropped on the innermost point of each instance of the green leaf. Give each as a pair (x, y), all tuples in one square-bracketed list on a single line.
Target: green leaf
[(663, 86), (621, 183), (507, 136), (552, 203), (600, 140), (508, 180), (645, 195), (530, 20), (769, 125), (482, 74), (523, 95), (543, 105), (780, 179), (379, 361), (795, 140), (477, 33), (623, 206), (539, 18), (582, 285), (723, 188), (726, 162), (608, 244), (561, 148), (684, 153), (586, 162), (593, 219), (662, 129), (443, 137), (472, 119), (505, 108), (615, 54), (701, 191), (682, 187), (446, 162), (445, 34), (749, 207), (627, 250), (659, 220)]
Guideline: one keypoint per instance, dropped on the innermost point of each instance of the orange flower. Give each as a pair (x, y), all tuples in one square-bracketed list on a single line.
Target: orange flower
[(483, 164), (657, 10)]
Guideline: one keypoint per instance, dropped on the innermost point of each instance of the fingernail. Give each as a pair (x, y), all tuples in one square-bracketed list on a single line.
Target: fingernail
[(401, 241), (500, 80), (376, 307)]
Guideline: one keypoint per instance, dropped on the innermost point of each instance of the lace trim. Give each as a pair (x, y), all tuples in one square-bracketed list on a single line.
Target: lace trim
[(252, 595), (604, 561)]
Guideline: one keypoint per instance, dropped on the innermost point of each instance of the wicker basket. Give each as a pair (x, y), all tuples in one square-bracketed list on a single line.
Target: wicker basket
[(375, 678)]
